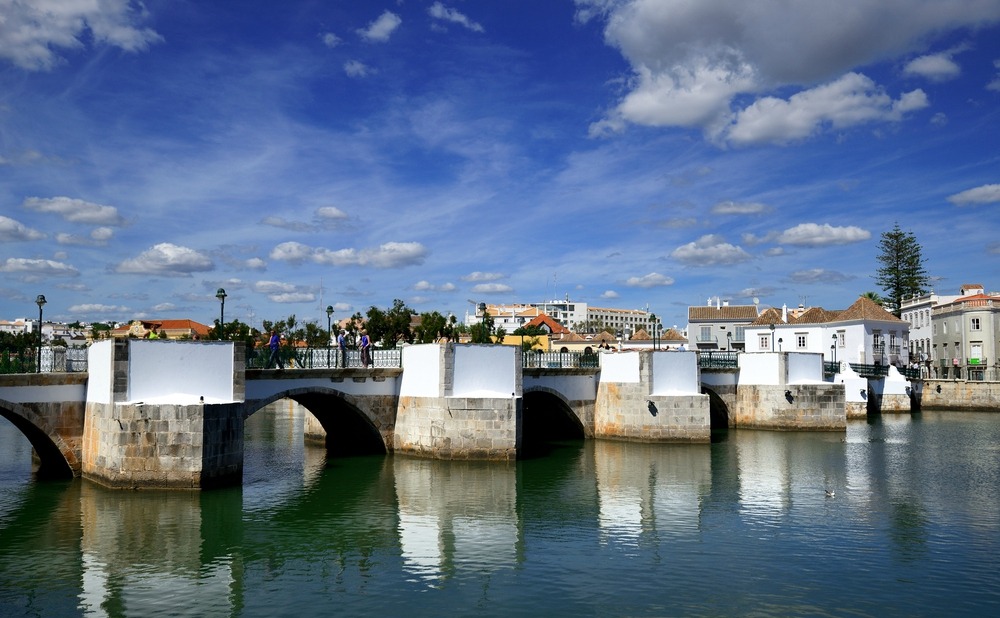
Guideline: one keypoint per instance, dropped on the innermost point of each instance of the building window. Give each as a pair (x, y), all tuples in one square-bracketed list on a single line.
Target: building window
[(706, 334), (765, 342), (801, 342), (944, 328), (975, 323)]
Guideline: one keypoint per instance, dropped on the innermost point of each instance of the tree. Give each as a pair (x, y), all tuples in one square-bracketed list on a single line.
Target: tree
[(901, 272), (432, 326), (390, 326)]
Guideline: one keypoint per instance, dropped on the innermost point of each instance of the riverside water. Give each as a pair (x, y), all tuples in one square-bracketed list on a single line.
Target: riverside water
[(744, 526)]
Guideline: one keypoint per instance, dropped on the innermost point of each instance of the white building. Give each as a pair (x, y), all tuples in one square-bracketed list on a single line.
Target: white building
[(864, 333), (917, 310), (965, 337)]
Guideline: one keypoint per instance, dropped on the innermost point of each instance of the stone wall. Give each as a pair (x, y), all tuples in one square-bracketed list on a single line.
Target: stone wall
[(961, 395), (163, 446), (817, 407), (627, 412), (459, 427)]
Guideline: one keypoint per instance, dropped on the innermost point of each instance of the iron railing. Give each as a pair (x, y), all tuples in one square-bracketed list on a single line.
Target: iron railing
[(324, 358), (718, 360), (55, 359), (559, 360), (20, 361)]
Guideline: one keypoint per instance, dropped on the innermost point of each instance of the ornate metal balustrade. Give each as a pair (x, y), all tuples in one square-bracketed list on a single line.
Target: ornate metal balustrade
[(324, 358), (559, 360), (718, 360)]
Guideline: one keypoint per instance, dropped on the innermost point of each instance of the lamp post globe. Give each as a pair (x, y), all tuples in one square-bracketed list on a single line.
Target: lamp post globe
[(772, 336), (40, 301), (221, 295)]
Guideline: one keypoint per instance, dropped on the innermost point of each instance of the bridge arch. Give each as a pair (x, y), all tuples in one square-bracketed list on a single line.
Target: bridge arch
[(57, 460), (352, 424), (718, 408), (547, 416)]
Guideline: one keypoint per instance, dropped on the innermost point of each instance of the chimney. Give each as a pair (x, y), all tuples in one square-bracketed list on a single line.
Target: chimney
[(784, 313)]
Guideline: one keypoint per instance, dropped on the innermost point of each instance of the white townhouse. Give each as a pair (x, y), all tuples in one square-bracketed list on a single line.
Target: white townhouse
[(864, 333), (966, 337)]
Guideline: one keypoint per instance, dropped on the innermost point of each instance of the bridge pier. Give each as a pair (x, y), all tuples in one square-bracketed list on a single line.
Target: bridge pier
[(786, 391), (157, 414), (450, 409), (651, 397)]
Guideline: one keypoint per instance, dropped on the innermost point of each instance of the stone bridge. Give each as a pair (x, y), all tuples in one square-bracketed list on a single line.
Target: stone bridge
[(171, 413)]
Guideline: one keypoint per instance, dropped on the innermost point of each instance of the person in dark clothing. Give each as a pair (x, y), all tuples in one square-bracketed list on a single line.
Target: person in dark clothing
[(275, 344)]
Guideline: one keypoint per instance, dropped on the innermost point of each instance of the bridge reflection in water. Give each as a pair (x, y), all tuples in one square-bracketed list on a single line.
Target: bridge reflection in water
[(595, 526)]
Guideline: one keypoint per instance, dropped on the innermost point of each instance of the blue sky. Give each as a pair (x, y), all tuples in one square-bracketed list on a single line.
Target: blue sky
[(626, 153)]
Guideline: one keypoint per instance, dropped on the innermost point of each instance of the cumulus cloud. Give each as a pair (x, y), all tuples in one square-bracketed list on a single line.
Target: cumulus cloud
[(481, 276), (986, 194), (853, 99), (168, 260), (740, 208), (31, 33), (76, 211), (292, 297), (387, 255), (492, 288), (330, 39), (710, 250), (652, 280), (427, 286), (816, 235), (441, 12), (994, 84), (330, 213), (609, 294), (255, 264), (818, 275), (382, 28), (273, 287), (935, 67), (690, 61), (33, 268), (11, 230), (98, 237)]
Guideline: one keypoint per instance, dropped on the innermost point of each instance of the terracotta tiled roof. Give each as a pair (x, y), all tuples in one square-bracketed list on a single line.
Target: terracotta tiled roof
[(768, 316), (730, 312), (641, 335), (572, 337), (817, 315), (866, 309), (671, 334), (554, 327)]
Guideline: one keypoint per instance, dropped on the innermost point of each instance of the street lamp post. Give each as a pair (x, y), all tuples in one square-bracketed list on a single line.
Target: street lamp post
[(833, 347), (221, 295), (729, 341), (652, 317), (40, 301), (772, 337), (482, 321), (329, 333)]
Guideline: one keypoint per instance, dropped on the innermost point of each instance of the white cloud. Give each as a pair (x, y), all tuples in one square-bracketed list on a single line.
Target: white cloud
[(492, 288), (292, 297), (166, 259), (36, 268), (691, 60), (652, 280), (273, 287), (481, 276), (816, 235), (92, 308), (256, 264), (440, 11), (994, 84), (331, 213), (356, 68), (986, 194), (609, 294), (382, 28), (427, 286), (387, 255), (935, 67), (710, 250), (818, 275), (851, 100), (330, 39), (11, 230), (740, 208), (32, 32), (98, 237), (76, 211)]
